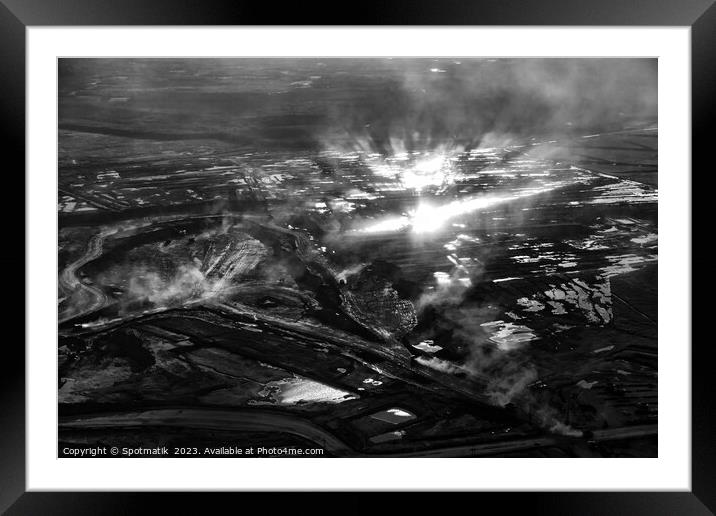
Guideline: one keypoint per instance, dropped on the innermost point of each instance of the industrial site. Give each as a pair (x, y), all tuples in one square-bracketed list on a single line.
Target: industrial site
[(368, 257)]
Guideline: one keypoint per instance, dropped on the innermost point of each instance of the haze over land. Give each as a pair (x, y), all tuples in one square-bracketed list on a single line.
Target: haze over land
[(470, 242)]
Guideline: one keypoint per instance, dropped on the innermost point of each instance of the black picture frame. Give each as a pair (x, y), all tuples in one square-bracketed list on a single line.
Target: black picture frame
[(17, 15)]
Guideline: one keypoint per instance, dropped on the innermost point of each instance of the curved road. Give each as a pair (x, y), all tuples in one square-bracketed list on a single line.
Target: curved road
[(83, 299)]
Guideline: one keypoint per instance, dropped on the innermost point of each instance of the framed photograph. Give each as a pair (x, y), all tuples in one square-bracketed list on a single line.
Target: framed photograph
[(293, 257)]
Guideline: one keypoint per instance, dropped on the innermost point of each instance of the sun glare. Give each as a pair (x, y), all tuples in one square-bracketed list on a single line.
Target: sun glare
[(428, 218), (425, 173), (416, 173)]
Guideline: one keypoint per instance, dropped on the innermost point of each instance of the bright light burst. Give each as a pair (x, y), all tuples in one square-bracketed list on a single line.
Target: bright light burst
[(418, 173), (389, 225), (427, 218), (426, 172)]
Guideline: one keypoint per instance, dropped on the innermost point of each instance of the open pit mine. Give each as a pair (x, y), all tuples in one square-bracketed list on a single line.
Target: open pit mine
[(370, 258)]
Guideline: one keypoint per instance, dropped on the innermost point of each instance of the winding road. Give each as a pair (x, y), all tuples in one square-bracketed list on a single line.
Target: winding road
[(83, 299)]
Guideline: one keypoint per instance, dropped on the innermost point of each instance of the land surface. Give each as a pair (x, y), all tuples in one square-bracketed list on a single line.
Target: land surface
[(377, 258)]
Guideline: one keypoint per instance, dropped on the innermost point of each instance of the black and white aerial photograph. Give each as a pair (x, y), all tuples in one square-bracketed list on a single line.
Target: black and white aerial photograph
[(357, 257)]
